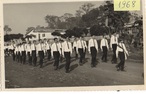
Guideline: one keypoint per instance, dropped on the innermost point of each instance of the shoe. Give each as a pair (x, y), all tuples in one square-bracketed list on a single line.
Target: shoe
[(123, 70), (118, 69), (67, 71), (55, 68)]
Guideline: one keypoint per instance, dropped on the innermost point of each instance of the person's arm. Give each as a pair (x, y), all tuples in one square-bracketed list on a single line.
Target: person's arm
[(52, 48), (89, 44), (125, 49), (117, 52), (107, 44), (111, 42), (101, 45), (96, 45)]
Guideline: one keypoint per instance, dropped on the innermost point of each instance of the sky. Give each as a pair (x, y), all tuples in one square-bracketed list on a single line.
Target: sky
[(23, 15), (20, 16)]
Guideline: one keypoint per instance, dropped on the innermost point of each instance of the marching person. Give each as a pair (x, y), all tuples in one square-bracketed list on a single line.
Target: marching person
[(81, 50), (122, 53), (13, 50), (93, 48), (33, 51), (67, 51), (85, 48), (29, 52), (48, 49), (16, 53), (113, 45), (75, 47), (56, 51), (40, 52), (19, 53), (23, 53), (104, 48)]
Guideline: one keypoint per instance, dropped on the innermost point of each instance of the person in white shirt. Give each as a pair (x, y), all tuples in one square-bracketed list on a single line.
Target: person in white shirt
[(16, 53), (81, 50), (40, 52), (104, 48), (48, 49), (85, 47), (19, 52), (29, 52), (122, 53), (13, 49), (113, 45), (67, 51), (56, 51), (23, 53), (93, 48), (75, 47), (33, 49)]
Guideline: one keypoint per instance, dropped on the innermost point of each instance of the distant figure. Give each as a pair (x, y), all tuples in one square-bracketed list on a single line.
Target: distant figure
[(81, 50), (75, 47), (113, 45), (67, 51), (56, 51), (93, 48), (104, 48), (122, 53)]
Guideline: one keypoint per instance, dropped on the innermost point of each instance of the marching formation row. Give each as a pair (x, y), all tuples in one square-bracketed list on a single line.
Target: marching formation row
[(65, 48)]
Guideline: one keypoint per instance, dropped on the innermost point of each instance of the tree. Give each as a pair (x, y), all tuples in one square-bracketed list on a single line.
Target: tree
[(9, 37), (52, 21), (86, 8), (7, 29)]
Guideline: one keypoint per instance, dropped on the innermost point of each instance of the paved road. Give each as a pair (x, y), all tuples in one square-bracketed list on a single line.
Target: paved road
[(105, 74)]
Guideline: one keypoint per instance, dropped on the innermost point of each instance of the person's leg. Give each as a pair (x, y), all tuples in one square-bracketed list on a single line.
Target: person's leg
[(67, 57), (123, 61), (80, 53)]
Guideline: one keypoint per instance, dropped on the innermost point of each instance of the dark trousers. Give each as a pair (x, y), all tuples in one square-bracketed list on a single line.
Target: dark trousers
[(93, 55), (67, 57), (19, 57), (41, 56), (23, 57), (104, 56), (114, 47), (75, 49), (122, 60), (49, 54), (29, 58), (56, 56), (84, 53), (13, 54), (80, 50), (34, 58)]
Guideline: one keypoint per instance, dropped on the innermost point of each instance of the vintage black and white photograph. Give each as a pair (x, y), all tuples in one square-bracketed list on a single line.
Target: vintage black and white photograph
[(72, 44)]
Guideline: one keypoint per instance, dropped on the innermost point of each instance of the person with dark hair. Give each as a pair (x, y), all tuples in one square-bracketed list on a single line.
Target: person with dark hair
[(23, 53), (67, 51), (122, 53), (93, 48), (81, 49), (33, 51), (55, 51), (40, 52), (29, 52), (48, 49), (113, 45), (104, 48), (75, 47)]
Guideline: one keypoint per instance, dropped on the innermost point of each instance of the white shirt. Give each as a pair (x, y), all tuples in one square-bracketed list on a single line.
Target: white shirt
[(66, 47), (74, 44), (56, 47), (104, 43), (28, 48), (92, 43), (16, 49), (81, 44), (48, 46), (22, 47), (113, 40), (33, 47), (119, 49)]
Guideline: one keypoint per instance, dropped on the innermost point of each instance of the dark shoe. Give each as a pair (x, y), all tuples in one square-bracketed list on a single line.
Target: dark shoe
[(123, 70), (67, 71), (80, 64), (118, 69), (55, 68), (41, 66)]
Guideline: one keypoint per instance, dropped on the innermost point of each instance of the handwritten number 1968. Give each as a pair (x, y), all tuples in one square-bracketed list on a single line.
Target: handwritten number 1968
[(127, 4)]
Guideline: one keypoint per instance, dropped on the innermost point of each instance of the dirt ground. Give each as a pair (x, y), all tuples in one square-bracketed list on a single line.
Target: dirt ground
[(105, 74)]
